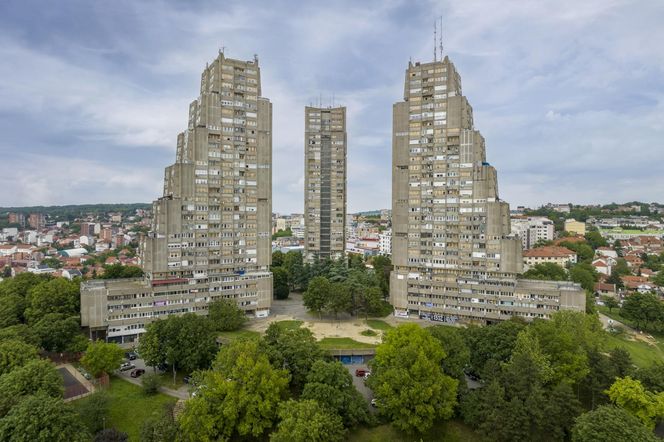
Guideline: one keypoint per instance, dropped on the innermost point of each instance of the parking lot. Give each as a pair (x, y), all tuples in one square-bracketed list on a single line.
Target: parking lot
[(358, 382)]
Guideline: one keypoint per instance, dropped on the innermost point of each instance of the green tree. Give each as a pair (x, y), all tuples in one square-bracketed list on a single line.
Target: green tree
[(20, 332), (186, 342), (458, 354), (161, 426), (659, 278), (305, 420), (607, 423), (94, 409), (339, 300), (11, 310), (281, 287), (150, 383), (566, 339), (584, 252), (42, 418), (368, 301), (610, 302), (630, 395), (317, 295), (294, 265), (489, 346), (36, 376), (382, 267), (408, 380), (645, 309), (652, 377), (60, 332), (237, 398), (101, 358), (547, 271), (331, 385), (14, 353), (277, 259), (295, 350), (22, 283), (119, 271), (57, 296), (225, 315), (595, 239)]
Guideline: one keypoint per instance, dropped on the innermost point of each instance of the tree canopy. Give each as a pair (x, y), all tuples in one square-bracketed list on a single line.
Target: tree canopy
[(408, 381), (101, 357), (305, 420), (238, 397)]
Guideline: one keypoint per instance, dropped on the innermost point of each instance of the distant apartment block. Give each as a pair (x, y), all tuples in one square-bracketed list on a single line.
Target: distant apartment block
[(574, 226), (210, 233), (324, 182), (532, 229), (385, 242), (453, 253), (16, 218), (37, 221)]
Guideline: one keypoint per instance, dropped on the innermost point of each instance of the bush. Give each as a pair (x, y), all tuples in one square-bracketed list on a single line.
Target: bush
[(369, 332), (150, 382)]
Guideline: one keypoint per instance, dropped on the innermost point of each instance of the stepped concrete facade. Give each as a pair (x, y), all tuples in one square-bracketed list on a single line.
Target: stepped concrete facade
[(211, 231), (454, 256), (324, 183)]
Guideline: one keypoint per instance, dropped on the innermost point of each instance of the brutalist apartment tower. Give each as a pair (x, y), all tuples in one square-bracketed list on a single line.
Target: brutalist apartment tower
[(210, 235), (324, 182), (454, 257)]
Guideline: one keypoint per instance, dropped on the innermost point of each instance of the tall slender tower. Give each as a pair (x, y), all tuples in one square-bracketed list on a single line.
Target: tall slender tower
[(210, 236), (324, 182), (453, 255)]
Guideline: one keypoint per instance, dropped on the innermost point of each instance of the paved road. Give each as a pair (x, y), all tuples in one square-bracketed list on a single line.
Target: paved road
[(180, 393)]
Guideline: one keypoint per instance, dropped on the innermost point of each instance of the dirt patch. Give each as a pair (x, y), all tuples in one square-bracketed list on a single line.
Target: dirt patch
[(351, 328)]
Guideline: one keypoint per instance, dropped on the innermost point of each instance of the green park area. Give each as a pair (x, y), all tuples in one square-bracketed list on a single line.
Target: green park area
[(128, 407), (450, 431)]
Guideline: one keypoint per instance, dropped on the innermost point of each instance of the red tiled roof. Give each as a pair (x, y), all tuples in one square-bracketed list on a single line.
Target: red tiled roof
[(549, 252)]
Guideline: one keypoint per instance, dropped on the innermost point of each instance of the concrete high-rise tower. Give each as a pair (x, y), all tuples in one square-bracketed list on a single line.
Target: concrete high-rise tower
[(453, 255), (324, 182), (210, 235)]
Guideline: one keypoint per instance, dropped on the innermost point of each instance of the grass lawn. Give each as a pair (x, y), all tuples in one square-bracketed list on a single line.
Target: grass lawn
[(379, 324), (290, 324), (452, 431), (166, 378), (130, 407), (343, 343), (643, 354), (242, 333)]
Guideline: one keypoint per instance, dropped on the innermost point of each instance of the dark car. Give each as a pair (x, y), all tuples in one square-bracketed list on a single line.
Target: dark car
[(186, 379), (131, 355), (136, 372), (360, 372)]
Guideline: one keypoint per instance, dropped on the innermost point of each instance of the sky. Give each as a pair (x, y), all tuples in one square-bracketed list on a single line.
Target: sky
[(569, 94)]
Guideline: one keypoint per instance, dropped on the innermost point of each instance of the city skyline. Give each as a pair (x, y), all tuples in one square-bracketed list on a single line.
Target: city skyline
[(93, 97)]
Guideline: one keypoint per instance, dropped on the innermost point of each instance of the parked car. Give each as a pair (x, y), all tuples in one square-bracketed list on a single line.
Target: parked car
[(136, 372), (131, 355), (374, 402), (360, 372), (186, 379), (366, 375), (127, 366)]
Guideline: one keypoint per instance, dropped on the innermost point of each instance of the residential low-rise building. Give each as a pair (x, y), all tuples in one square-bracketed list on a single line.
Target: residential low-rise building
[(553, 254)]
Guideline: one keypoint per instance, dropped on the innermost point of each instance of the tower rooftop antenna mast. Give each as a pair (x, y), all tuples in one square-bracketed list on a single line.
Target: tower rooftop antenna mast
[(441, 38), (435, 40)]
